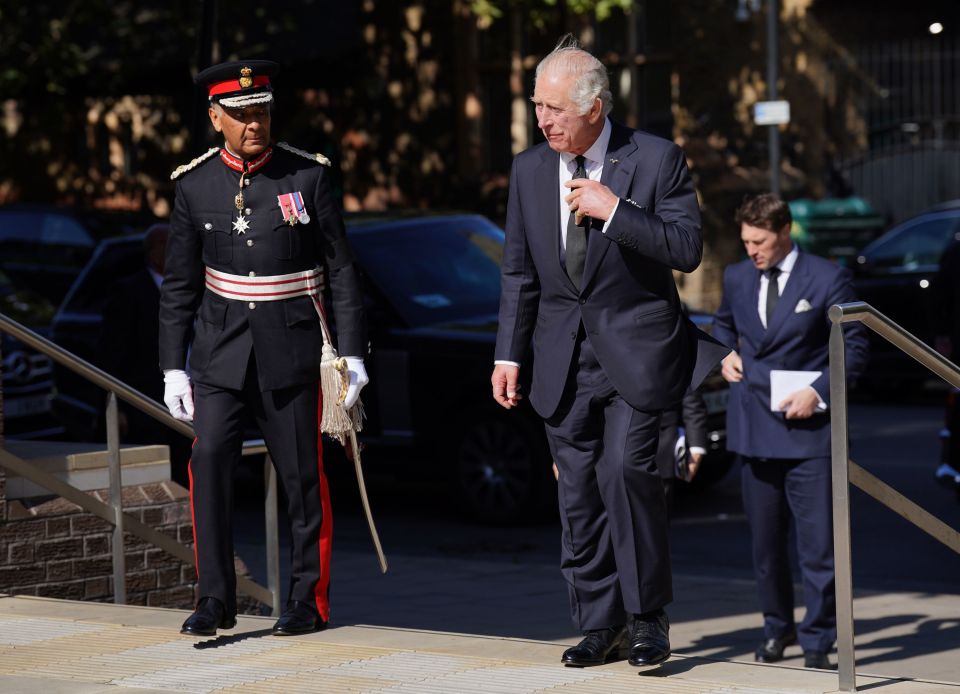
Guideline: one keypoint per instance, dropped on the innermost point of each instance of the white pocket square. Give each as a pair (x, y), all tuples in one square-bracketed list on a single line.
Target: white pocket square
[(803, 305)]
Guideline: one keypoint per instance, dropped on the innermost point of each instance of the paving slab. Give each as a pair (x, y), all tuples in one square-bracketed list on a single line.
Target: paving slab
[(56, 646)]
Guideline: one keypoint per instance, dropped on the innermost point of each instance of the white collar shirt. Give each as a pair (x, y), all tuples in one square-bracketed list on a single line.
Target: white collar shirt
[(786, 267), (594, 156)]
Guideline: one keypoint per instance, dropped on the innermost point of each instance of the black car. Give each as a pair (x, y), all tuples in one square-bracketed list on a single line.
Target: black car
[(895, 274), (27, 381), (432, 292)]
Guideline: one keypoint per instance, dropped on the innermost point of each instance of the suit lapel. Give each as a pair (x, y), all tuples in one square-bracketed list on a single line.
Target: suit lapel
[(618, 170), (547, 190), (796, 284), (755, 326)]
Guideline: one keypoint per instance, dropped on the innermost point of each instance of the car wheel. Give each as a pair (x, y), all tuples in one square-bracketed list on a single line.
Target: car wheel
[(503, 474)]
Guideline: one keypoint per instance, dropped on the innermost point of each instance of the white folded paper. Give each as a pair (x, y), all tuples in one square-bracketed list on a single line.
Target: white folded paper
[(784, 383)]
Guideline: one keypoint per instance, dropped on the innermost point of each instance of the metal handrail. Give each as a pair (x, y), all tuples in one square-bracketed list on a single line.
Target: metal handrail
[(845, 471), (123, 522)]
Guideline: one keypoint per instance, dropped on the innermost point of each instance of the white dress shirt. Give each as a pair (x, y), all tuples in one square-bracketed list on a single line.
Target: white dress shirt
[(786, 267), (594, 157)]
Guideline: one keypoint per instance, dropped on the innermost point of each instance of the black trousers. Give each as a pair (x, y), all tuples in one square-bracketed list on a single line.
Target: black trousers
[(289, 421), (615, 553), (774, 491)]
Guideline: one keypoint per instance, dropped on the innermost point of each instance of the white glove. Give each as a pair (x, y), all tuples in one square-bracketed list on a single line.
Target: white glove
[(358, 379), (177, 394)]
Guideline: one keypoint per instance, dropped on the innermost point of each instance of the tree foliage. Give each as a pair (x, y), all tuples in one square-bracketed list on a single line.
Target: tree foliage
[(536, 10)]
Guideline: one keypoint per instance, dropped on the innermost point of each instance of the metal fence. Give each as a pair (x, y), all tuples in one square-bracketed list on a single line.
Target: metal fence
[(113, 512), (846, 472), (909, 99)]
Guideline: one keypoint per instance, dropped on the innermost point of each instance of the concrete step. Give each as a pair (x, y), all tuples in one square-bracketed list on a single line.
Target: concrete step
[(85, 465)]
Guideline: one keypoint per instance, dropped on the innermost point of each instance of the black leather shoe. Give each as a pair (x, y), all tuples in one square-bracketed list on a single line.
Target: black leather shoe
[(209, 616), (771, 650), (599, 646), (649, 638), (298, 618), (818, 660)]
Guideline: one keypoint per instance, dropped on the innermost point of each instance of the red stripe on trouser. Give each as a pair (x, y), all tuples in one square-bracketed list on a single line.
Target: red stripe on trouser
[(193, 517), (322, 589)]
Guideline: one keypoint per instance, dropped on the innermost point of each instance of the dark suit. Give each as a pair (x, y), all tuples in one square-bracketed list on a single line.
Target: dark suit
[(786, 463), (608, 358), (258, 358)]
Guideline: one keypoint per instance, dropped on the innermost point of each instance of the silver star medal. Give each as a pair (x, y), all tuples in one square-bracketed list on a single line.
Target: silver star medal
[(240, 225)]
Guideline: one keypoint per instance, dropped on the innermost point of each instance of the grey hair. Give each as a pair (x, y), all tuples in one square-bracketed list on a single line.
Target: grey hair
[(591, 80)]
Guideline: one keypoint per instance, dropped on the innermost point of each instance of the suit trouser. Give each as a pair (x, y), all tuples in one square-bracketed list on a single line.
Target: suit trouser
[(615, 553), (289, 421), (773, 491)]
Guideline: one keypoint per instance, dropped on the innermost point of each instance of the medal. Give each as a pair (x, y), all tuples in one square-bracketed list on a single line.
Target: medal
[(301, 208), (240, 225), (238, 201), (293, 208)]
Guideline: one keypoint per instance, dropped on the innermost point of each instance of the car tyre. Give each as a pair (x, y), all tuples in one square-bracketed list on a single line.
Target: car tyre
[(503, 472)]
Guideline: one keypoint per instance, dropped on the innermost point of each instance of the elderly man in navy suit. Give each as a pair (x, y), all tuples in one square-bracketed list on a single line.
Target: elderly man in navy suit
[(598, 218), (774, 312)]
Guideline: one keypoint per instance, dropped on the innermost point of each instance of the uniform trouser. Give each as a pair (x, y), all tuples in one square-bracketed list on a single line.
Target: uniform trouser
[(615, 553), (773, 491), (289, 421)]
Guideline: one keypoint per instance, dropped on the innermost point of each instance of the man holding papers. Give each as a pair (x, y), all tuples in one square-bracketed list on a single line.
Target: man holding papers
[(774, 314)]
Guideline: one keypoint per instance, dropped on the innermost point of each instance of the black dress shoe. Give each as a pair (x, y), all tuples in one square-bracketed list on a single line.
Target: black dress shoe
[(599, 646), (818, 660), (209, 616), (649, 638), (771, 650), (298, 618)]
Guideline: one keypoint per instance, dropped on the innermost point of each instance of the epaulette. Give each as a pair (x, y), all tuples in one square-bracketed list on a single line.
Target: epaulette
[(312, 157), (180, 170)]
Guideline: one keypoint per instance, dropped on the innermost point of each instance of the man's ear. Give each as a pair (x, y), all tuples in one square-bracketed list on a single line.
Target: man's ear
[(215, 119), (596, 111)]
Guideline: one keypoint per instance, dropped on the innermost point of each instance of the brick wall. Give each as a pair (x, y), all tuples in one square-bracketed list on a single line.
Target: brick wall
[(55, 549)]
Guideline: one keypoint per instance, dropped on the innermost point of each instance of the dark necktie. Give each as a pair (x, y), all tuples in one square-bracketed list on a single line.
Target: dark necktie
[(773, 292), (577, 235)]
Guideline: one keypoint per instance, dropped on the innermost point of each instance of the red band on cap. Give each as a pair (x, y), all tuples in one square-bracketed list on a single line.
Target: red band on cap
[(234, 86)]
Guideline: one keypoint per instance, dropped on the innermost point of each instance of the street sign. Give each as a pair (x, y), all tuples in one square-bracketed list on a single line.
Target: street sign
[(771, 112)]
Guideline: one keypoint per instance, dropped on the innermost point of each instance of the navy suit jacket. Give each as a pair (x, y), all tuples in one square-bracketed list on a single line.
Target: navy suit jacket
[(628, 300), (796, 340)]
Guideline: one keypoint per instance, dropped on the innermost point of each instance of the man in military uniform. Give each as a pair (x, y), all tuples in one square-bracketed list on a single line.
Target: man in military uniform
[(254, 231)]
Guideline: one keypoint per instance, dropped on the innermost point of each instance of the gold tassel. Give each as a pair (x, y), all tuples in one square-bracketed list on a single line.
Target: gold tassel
[(336, 421)]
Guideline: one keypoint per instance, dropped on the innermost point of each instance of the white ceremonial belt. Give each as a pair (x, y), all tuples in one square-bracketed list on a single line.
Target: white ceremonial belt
[(265, 288)]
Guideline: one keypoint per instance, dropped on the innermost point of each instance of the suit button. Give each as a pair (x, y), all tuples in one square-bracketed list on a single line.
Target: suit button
[(249, 242), (247, 212), (208, 226), (252, 305), (583, 301), (253, 274)]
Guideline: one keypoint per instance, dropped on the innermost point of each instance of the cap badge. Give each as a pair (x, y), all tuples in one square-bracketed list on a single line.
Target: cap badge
[(246, 79)]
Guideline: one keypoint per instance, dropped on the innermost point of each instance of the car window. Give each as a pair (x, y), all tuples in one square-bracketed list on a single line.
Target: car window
[(914, 246), (111, 263), (42, 228), (434, 270)]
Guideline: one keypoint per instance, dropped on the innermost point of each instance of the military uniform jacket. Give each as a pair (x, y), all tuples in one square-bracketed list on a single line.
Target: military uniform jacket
[(285, 336)]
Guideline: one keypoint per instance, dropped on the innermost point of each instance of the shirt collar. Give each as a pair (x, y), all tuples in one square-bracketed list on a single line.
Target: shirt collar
[(786, 265), (597, 151)]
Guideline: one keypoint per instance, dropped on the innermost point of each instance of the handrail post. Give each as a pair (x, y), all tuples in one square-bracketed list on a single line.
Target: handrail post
[(116, 501), (271, 535), (839, 433)]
